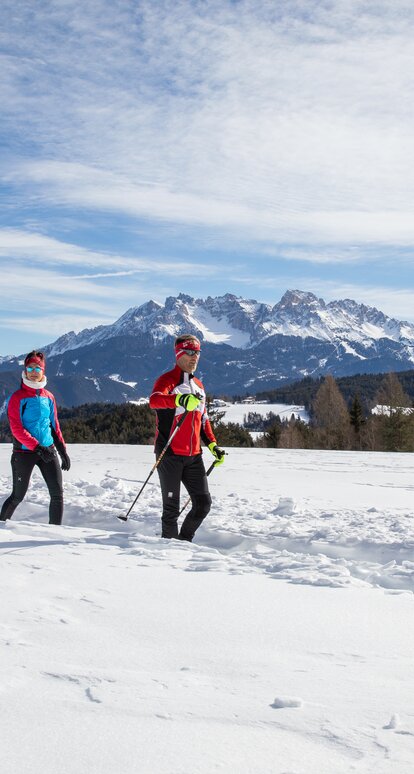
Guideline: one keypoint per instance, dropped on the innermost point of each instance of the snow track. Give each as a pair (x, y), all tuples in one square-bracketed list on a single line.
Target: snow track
[(286, 537), (121, 651)]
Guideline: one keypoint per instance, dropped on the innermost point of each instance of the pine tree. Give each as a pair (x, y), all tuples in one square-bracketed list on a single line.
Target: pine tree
[(272, 434), (394, 415), (391, 394), (231, 434), (291, 437), (331, 417), (357, 419)]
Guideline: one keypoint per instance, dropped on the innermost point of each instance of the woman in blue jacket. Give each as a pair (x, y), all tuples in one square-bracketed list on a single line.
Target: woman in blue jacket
[(34, 425)]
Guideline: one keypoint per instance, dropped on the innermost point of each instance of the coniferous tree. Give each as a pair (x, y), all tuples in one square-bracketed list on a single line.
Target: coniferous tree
[(394, 416), (331, 417), (291, 437), (272, 434), (231, 434), (357, 419)]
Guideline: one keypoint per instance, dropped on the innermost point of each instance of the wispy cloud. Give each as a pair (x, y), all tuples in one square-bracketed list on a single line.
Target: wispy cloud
[(43, 278), (54, 324), (292, 123), (77, 185), (31, 246), (273, 130)]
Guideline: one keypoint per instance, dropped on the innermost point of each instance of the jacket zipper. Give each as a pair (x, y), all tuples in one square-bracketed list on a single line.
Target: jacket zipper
[(192, 420)]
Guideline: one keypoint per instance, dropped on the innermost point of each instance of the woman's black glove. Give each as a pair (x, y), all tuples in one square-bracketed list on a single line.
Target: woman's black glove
[(46, 453), (61, 448), (64, 456)]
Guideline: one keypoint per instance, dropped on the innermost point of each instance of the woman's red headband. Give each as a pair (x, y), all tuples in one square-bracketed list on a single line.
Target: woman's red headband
[(35, 360)]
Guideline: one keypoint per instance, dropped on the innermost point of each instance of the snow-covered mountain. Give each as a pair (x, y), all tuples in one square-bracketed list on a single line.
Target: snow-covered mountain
[(247, 345), (244, 323)]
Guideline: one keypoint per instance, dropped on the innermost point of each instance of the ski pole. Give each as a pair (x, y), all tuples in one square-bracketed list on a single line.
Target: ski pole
[(189, 499), (155, 466)]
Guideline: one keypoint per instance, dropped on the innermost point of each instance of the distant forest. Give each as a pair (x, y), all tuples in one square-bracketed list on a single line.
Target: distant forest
[(124, 423), (340, 417), (366, 386)]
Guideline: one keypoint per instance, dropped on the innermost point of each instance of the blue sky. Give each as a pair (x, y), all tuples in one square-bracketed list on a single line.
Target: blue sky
[(202, 147)]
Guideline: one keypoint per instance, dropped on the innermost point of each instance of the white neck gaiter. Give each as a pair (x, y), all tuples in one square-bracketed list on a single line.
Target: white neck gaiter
[(34, 385)]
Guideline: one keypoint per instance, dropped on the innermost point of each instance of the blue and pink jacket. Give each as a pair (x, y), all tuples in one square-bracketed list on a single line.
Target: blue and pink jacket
[(33, 419)]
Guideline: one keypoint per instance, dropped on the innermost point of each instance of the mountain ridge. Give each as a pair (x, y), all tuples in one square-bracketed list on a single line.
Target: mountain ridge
[(246, 322), (247, 345)]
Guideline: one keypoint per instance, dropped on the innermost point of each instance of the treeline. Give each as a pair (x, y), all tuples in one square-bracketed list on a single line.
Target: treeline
[(103, 423), (366, 386), (127, 424), (108, 423), (334, 424)]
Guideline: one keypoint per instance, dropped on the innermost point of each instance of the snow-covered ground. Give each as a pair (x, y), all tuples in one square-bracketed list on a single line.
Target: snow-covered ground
[(280, 642)]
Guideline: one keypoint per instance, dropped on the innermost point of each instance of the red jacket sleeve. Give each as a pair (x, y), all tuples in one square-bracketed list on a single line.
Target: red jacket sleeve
[(16, 426), (161, 397)]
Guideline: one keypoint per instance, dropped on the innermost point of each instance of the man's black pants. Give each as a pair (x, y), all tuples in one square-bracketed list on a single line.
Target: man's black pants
[(173, 470), (22, 467)]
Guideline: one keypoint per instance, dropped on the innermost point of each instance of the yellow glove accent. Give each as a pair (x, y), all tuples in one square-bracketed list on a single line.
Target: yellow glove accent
[(217, 453), (189, 402)]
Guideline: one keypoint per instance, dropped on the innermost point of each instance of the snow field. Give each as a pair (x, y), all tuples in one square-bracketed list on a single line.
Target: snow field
[(121, 651)]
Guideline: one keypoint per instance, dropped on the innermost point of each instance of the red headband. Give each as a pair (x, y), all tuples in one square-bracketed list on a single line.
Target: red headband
[(180, 349), (35, 360)]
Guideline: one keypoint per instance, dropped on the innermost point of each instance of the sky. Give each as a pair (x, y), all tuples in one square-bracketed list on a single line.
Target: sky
[(204, 147)]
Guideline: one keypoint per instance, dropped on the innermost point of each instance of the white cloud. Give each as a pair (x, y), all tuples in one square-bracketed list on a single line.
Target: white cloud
[(45, 250), (275, 128), (289, 122), (41, 291), (55, 325), (80, 186), (32, 287)]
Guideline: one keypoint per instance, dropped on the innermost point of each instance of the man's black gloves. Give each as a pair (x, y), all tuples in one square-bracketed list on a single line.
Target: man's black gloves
[(64, 456), (46, 453)]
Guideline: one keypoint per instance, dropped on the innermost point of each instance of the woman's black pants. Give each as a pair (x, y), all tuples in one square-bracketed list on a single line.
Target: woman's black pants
[(22, 467), (173, 470)]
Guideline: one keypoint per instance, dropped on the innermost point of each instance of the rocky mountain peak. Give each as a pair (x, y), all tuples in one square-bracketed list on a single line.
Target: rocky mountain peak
[(301, 298), (246, 323)]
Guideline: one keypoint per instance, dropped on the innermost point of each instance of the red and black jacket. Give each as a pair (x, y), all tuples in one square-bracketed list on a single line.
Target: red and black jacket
[(196, 426)]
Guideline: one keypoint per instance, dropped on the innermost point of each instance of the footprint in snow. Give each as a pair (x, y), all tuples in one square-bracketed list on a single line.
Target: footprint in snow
[(281, 702), (393, 722)]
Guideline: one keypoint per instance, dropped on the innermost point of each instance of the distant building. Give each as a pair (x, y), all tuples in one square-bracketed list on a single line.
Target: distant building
[(388, 410)]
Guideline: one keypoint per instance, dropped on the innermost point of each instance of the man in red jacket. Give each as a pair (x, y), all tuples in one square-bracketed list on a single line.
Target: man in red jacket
[(174, 393)]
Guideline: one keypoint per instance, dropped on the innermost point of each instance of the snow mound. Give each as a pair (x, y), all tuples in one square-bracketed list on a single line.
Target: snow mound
[(281, 702)]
